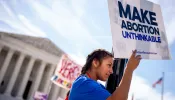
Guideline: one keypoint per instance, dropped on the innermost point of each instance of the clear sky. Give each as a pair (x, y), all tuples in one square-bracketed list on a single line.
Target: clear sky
[(80, 26)]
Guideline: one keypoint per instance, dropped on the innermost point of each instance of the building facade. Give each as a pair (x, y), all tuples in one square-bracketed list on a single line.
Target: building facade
[(26, 65)]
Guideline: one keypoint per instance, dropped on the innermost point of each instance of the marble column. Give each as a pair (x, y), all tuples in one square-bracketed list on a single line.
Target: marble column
[(54, 92), (63, 93), (14, 74), (6, 64), (25, 78), (48, 81), (37, 81)]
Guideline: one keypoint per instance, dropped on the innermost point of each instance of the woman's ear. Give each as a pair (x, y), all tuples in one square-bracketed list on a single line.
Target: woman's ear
[(95, 63)]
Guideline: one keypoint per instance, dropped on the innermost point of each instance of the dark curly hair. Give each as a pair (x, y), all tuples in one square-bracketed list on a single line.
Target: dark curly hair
[(98, 54)]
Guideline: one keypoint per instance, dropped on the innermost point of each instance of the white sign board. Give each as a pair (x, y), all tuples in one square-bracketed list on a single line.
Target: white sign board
[(138, 24)]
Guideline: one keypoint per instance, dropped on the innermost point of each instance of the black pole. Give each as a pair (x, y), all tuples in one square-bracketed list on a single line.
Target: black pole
[(115, 78), (121, 69)]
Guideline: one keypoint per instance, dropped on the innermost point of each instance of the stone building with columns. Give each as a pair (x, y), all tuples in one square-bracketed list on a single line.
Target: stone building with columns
[(26, 65)]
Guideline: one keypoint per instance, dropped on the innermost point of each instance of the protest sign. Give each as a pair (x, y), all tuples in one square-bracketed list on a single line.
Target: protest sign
[(67, 71), (138, 24), (40, 96)]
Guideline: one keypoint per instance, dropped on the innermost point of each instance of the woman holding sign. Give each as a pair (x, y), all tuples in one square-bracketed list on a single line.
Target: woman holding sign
[(98, 66)]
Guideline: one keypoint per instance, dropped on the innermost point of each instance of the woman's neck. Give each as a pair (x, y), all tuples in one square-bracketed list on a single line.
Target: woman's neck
[(91, 75)]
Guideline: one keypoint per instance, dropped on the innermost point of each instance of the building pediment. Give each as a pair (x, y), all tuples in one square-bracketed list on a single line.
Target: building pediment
[(38, 42)]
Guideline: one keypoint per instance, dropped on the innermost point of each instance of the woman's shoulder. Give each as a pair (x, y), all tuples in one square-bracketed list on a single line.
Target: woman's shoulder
[(84, 81)]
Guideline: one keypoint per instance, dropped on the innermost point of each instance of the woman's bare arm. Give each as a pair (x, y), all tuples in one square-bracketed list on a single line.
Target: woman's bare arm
[(121, 93)]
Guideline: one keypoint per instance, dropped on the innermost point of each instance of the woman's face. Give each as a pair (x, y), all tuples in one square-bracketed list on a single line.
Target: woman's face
[(105, 69)]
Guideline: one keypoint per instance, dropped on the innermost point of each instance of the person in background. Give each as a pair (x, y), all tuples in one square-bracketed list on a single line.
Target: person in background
[(67, 95), (98, 66)]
